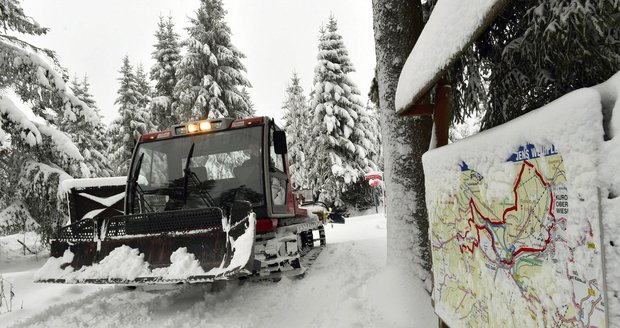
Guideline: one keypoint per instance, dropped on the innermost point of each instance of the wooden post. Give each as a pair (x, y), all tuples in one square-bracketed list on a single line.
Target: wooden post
[(442, 116), (442, 112)]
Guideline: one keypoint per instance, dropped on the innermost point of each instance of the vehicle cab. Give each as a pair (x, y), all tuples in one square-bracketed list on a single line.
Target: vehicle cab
[(213, 163)]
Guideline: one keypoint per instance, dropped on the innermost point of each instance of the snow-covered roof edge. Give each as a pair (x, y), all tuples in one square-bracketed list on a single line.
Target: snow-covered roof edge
[(451, 28), (65, 186)]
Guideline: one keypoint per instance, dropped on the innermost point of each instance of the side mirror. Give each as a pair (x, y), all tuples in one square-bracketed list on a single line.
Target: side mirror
[(279, 142)]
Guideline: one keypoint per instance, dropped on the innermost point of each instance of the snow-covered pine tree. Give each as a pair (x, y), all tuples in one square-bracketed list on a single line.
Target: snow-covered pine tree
[(339, 143), (132, 122), (297, 123), (360, 195), (167, 54), (372, 125), (210, 73), (92, 142), (249, 111), (535, 52), (36, 156), (144, 88)]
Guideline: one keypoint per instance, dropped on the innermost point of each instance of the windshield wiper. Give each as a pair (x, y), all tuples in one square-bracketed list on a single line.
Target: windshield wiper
[(135, 187), (187, 174)]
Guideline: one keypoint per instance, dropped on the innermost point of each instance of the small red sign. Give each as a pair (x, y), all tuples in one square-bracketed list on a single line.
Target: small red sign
[(374, 183), (372, 177)]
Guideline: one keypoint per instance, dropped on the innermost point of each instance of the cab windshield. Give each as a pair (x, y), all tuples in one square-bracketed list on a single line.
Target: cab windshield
[(223, 167)]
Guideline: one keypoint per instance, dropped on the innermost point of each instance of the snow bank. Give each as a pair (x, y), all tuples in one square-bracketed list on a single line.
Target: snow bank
[(12, 249), (447, 32)]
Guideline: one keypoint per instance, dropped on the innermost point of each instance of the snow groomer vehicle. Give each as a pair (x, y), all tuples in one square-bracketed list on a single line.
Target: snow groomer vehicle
[(203, 201)]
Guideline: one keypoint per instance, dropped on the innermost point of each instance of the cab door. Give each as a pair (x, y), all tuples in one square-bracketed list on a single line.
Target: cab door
[(278, 179)]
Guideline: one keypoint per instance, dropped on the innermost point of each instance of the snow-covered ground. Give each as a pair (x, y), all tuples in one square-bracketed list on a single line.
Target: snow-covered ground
[(348, 286)]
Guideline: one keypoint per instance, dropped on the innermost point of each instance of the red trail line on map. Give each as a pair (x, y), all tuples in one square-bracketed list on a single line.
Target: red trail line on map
[(473, 207)]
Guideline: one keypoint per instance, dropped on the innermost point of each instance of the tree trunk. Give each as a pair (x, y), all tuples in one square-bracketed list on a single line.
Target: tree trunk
[(397, 26)]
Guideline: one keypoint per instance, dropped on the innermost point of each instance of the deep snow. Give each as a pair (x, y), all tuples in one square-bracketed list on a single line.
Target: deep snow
[(348, 286)]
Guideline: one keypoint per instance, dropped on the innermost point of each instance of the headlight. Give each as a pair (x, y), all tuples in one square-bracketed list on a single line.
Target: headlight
[(205, 125), (191, 128)]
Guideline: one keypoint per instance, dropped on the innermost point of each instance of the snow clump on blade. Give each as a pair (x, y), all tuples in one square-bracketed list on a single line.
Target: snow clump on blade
[(183, 265)]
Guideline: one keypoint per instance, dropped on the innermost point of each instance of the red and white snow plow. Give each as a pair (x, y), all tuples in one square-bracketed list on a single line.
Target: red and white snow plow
[(203, 201)]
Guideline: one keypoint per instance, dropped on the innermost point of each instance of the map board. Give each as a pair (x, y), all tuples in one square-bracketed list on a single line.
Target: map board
[(515, 225)]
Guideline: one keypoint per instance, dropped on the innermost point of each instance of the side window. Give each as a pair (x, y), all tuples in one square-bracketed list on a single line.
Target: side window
[(277, 177), (220, 166), (154, 169), (159, 173), (276, 161)]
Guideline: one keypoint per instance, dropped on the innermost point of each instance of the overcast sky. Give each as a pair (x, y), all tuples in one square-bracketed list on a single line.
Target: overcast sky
[(277, 37)]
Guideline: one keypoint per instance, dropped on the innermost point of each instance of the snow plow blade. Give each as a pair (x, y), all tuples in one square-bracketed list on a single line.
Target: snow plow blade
[(185, 246)]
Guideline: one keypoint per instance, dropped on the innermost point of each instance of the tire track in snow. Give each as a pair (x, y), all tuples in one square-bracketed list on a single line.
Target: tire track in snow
[(317, 300), (347, 286)]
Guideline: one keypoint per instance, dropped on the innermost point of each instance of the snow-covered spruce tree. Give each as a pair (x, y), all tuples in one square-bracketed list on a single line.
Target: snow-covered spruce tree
[(535, 52), (132, 122), (144, 88), (397, 25), (249, 111), (297, 123), (210, 78), (35, 156), (361, 195), (372, 124), (167, 54), (91, 140), (339, 143)]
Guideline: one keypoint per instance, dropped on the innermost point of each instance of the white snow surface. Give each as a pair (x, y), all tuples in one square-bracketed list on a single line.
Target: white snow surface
[(123, 262), (447, 32), (347, 286), (66, 185), (610, 180), (13, 256), (182, 265)]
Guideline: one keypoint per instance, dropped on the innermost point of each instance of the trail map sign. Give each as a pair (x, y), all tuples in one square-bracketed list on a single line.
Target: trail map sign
[(515, 226)]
